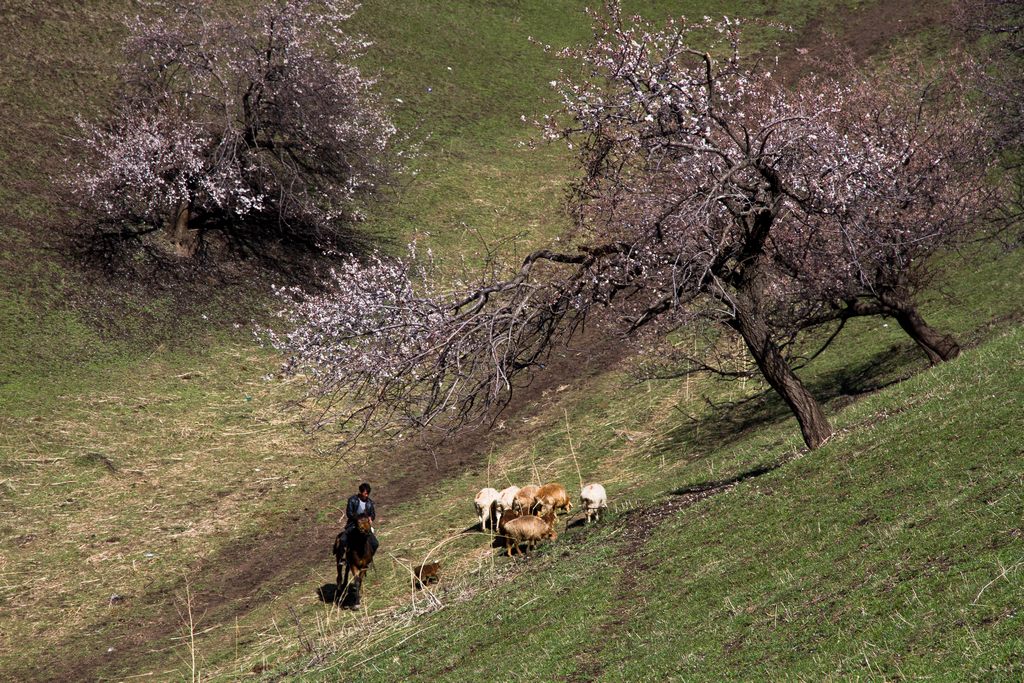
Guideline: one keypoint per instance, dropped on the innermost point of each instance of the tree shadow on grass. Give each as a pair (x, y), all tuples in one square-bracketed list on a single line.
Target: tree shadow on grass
[(131, 275), (705, 486), (729, 422), (225, 250)]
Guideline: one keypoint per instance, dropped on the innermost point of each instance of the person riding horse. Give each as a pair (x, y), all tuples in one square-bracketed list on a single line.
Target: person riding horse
[(358, 504), (355, 546)]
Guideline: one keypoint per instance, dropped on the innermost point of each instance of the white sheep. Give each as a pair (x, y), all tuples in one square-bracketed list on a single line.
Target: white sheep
[(593, 498), (486, 501), (506, 497)]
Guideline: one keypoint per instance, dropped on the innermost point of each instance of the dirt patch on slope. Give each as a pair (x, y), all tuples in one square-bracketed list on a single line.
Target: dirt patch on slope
[(865, 32)]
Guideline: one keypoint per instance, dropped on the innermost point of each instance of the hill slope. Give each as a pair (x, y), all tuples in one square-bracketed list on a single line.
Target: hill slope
[(148, 466), (896, 551)]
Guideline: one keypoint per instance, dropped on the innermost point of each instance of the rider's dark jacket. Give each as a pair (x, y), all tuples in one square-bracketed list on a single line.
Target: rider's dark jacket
[(352, 510)]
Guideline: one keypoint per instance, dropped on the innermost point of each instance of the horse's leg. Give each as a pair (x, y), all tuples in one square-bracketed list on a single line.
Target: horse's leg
[(357, 586), (342, 582)]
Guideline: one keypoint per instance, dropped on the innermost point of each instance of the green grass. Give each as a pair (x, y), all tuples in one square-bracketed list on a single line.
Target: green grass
[(138, 471), (894, 551), (872, 557), (466, 73)]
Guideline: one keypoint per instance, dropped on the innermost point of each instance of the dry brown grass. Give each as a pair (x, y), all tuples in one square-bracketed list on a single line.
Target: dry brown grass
[(123, 487)]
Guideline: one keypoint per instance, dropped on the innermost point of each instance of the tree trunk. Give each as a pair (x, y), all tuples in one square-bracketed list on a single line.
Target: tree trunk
[(939, 347), (184, 240), (813, 424)]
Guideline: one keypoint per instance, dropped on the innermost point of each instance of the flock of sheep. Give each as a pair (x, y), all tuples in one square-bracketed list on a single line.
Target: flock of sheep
[(528, 514)]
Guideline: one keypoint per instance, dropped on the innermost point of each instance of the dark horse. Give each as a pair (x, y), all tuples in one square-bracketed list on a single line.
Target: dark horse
[(357, 559)]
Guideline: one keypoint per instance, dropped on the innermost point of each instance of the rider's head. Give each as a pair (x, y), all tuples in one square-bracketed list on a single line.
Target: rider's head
[(364, 490)]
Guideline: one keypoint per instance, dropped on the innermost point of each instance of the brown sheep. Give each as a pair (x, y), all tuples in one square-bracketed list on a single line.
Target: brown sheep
[(506, 518), (526, 498), (428, 572), (552, 497), (549, 517), (528, 529)]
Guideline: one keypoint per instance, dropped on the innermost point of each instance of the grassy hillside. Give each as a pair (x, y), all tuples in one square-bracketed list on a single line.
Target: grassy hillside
[(893, 552), (150, 468), (730, 552)]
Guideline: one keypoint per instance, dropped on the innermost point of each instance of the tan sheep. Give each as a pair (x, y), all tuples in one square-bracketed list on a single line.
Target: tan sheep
[(525, 498), (528, 529), (552, 497)]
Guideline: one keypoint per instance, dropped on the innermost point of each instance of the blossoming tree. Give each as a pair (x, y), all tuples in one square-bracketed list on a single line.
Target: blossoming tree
[(903, 173), (709, 193), (239, 124)]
